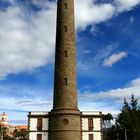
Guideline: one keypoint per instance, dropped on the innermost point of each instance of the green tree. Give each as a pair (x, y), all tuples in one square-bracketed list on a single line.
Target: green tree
[(128, 121), (108, 128), (3, 132), (20, 134), (107, 120)]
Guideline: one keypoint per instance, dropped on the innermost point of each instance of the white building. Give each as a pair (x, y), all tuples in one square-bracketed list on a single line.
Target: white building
[(91, 125), (38, 125)]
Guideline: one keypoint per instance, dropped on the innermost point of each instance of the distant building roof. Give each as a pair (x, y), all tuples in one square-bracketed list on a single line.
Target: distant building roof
[(18, 127)]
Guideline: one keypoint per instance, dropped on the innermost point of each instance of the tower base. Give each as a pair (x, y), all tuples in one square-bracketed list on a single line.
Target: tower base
[(65, 124)]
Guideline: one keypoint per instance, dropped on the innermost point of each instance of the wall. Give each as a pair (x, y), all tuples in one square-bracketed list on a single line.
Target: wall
[(33, 128), (96, 129)]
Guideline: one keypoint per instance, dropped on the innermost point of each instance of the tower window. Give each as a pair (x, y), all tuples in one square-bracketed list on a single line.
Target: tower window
[(65, 121), (66, 81), (90, 123), (66, 54), (90, 136), (66, 29), (66, 5)]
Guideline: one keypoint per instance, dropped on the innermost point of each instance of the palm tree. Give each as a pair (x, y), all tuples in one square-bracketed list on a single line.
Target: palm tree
[(107, 120)]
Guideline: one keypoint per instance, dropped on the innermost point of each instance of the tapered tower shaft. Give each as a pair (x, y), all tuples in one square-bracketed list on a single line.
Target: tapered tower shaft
[(65, 87), (65, 116)]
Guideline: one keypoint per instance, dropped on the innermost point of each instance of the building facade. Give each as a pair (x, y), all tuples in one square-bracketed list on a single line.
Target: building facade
[(91, 126), (38, 125), (91, 123)]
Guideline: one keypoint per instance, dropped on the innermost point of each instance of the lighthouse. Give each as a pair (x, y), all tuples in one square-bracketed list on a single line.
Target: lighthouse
[(65, 121), (3, 121), (65, 116)]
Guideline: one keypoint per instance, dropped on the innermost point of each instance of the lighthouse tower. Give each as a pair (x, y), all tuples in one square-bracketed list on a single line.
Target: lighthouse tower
[(64, 121), (3, 121)]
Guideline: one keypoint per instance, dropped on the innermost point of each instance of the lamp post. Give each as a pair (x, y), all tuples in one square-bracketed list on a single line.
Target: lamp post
[(125, 131)]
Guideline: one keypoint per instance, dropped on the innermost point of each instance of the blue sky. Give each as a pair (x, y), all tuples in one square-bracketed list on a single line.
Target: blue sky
[(108, 48)]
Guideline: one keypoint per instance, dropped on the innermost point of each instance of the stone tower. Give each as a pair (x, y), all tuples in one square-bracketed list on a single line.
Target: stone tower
[(64, 121)]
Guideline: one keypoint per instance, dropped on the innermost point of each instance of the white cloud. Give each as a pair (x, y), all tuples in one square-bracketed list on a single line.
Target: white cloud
[(135, 82), (91, 66), (111, 100), (120, 93), (88, 13), (125, 5), (132, 19), (106, 101), (114, 59), (27, 39), (22, 106), (19, 98)]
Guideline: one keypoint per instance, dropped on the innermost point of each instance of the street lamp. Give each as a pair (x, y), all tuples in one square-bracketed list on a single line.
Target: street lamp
[(125, 131)]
